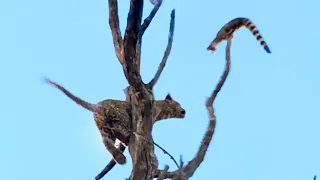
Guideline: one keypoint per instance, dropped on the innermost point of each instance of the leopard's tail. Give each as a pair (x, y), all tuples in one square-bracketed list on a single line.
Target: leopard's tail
[(86, 105)]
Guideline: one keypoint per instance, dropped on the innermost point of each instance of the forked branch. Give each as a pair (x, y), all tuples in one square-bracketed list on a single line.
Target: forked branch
[(192, 165), (148, 20), (166, 53)]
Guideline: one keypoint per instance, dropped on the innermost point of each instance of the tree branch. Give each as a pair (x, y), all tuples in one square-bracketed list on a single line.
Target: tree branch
[(163, 150), (148, 20), (132, 45), (167, 174), (115, 30), (192, 165), (166, 152), (166, 53), (195, 163), (163, 173)]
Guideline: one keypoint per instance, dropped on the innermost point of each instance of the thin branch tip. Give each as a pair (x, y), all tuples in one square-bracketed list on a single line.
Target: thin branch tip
[(173, 13), (152, 14), (44, 80), (167, 52)]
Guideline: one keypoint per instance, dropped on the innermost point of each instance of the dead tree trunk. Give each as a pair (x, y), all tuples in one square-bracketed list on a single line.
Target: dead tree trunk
[(140, 94)]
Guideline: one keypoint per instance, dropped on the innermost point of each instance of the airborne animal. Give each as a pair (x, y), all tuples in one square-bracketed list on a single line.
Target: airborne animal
[(235, 24)]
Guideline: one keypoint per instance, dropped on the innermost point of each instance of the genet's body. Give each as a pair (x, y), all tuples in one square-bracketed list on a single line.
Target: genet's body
[(228, 29)]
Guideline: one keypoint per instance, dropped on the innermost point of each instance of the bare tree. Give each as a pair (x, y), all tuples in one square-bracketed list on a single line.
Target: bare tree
[(141, 96)]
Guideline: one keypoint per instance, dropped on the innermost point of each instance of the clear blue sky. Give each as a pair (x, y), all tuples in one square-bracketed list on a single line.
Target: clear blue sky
[(268, 111)]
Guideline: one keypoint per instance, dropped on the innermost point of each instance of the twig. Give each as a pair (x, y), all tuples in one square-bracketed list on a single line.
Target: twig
[(181, 162), (115, 30), (164, 151), (145, 25), (180, 172), (148, 20), (192, 165), (163, 173), (167, 51)]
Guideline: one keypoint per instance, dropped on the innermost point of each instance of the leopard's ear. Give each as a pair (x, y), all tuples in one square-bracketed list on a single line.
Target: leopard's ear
[(168, 97)]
